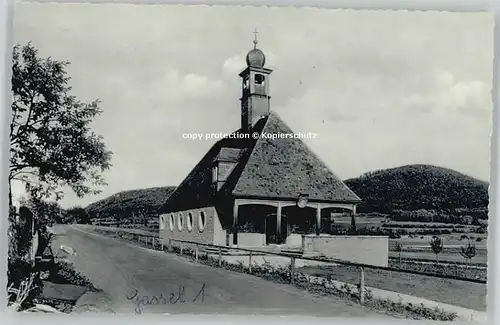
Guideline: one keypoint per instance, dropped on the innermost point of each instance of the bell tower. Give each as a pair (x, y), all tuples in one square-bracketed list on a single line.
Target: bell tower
[(255, 99)]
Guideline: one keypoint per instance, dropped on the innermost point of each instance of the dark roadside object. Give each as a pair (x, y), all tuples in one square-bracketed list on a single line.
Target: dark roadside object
[(44, 257)]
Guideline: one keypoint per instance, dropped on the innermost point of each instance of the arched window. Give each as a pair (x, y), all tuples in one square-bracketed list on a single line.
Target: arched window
[(190, 221), (201, 221), (180, 221), (171, 222), (162, 222)]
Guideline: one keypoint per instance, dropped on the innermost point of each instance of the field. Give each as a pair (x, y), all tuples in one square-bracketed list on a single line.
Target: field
[(460, 293), (482, 259), (417, 245), (361, 221)]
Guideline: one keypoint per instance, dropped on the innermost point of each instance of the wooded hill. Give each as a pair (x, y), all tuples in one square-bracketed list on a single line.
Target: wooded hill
[(406, 193), (125, 204), (430, 190)]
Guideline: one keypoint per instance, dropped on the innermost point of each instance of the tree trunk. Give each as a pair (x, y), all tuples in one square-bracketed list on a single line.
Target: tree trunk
[(10, 194), (12, 210)]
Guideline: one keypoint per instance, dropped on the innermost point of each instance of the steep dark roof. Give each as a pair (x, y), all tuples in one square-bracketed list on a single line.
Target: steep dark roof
[(124, 203), (196, 189), (286, 168), (266, 168)]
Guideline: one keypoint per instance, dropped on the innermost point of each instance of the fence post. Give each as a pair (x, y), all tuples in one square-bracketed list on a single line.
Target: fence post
[(162, 249), (182, 247), (169, 245), (220, 256), (362, 287), (196, 253), (292, 269), (250, 262)]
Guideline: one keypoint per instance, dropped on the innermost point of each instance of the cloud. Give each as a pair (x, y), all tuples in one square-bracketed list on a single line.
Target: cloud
[(469, 96), (450, 96)]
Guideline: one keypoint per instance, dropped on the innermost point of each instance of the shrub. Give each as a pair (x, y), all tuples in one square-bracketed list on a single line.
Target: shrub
[(436, 246), (65, 273), (468, 252), (398, 248), (23, 282)]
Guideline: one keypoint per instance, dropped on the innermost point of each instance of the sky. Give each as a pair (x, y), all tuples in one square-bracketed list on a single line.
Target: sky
[(379, 88)]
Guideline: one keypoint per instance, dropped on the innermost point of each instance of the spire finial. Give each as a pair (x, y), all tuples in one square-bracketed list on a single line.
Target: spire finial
[(255, 41)]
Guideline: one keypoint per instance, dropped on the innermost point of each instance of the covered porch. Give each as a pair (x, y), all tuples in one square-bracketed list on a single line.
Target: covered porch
[(260, 222)]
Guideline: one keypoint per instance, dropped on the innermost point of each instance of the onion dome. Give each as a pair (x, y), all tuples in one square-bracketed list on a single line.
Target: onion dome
[(256, 58)]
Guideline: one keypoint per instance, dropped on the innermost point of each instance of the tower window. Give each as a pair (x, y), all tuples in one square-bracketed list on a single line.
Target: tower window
[(259, 79)]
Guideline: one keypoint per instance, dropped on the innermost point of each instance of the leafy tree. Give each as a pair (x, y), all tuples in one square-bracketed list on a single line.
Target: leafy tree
[(468, 252), (78, 215), (436, 246), (46, 212), (51, 143), (352, 229)]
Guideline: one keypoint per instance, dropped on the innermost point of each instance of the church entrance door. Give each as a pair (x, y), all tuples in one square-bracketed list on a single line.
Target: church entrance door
[(272, 236), (271, 233)]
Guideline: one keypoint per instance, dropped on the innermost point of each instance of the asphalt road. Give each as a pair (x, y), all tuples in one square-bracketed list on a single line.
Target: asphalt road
[(139, 280)]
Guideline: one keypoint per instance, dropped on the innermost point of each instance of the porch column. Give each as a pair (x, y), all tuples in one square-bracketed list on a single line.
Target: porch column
[(318, 219), (235, 223), (278, 222)]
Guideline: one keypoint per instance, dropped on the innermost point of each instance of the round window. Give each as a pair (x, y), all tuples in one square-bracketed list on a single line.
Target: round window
[(171, 222), (201, 221), (190, 221), (180, 221)]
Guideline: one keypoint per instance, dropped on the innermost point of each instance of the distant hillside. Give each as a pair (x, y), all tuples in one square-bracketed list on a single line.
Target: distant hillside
[(123, 204), (420, 187)]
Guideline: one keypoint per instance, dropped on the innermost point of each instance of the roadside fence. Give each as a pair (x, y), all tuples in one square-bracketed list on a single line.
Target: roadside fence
[(152, 240)]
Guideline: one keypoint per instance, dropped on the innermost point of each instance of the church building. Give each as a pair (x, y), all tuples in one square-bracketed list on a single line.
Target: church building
[(251, 190)]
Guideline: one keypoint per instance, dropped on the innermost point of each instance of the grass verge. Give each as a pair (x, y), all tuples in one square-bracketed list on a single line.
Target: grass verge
[(63, 273), (454, 292), (304, 281)]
